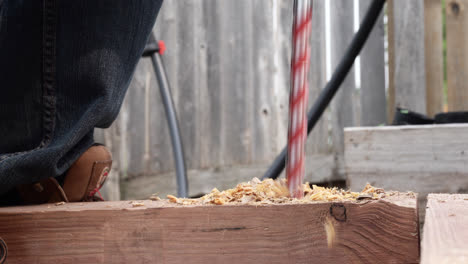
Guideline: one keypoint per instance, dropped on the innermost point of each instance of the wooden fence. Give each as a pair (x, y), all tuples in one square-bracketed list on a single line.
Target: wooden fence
[(228, 65)]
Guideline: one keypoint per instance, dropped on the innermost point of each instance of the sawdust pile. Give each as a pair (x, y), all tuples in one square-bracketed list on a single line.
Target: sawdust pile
[(270, 191)]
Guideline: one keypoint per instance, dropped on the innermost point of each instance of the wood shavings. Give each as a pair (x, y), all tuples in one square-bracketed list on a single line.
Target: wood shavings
[(172, 198), (154, 198), (371, 189), (364, 196), (273, 192), (59, 203), (137, 204)]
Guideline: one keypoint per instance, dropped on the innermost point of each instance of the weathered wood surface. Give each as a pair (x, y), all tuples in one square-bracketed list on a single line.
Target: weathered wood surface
[(433, 56), (457, 54), (391, 62), (372, 90), (424, 159), (445, 236), (318, 147), (407, 50), (158, 232), (343, 108)]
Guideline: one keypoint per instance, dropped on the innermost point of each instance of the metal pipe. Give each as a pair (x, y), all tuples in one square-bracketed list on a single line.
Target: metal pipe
[(335, 82), (177, 147)]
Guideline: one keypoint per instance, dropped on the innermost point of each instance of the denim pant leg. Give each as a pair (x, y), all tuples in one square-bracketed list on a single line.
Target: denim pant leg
[(65, 67)]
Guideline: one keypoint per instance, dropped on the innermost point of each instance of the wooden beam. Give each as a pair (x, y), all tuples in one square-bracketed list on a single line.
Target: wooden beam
[(445, 237), (162, 232), (424, 159)]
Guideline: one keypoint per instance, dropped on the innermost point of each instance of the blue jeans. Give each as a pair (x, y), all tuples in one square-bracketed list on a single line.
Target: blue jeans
[(65, 67)]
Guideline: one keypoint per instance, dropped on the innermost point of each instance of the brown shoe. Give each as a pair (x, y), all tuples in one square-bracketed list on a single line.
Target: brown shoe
[(3, 251), (82, 181)]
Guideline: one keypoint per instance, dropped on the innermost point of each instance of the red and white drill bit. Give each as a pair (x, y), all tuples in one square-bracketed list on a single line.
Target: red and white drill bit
[(298, 96)]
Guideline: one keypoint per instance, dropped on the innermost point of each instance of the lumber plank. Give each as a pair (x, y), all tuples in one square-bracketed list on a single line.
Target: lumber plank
[(445, 236), (424, 159), (160, 232)]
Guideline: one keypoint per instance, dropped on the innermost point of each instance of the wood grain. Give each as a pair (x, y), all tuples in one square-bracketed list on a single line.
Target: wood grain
[(445, 237), (424, 159), (317, 142), (406, 50), (343, 107), (372, 93), (433, 55), (391, 61), (457, 54), (115, 232)]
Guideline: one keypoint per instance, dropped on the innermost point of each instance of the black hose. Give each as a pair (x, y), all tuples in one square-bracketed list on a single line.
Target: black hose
[(335, 82), (177, 147)]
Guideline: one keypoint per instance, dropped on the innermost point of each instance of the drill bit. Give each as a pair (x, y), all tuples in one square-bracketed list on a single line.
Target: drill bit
[(298, 96)]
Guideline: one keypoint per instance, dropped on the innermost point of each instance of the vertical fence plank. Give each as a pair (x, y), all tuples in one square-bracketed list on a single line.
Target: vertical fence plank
[(433, 56), (236, 75), (391, 62), (184, 82), (319, 157), (209, 132), (408, 71), (317, 143), (342, 29), (457, 54), (263, 115), (373, 101), (283, 47)]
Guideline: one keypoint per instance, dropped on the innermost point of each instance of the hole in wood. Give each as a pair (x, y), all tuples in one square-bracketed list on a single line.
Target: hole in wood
[(338, 211), (455, 7)]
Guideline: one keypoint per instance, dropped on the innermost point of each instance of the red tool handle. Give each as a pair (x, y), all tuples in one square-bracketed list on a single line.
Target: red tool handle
[(299, 93)]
